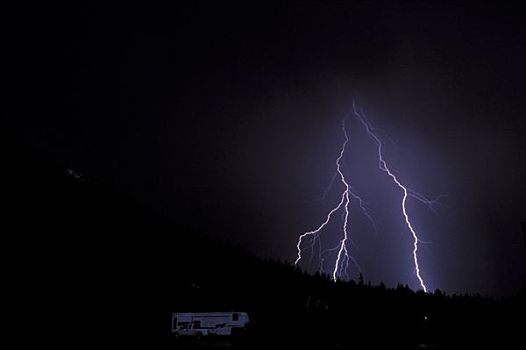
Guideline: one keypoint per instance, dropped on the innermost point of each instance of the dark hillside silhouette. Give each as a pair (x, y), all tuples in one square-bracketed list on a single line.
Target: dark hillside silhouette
[(88, 265)]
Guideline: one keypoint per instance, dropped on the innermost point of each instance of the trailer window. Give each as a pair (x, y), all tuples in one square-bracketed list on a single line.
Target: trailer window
[(235, 316), (197, 324)]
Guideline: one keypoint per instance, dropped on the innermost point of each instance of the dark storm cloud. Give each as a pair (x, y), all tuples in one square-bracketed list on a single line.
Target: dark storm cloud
[(228, 118)]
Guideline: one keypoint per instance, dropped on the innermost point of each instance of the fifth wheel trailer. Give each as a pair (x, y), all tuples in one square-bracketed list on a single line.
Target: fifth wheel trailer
[(208, 323)]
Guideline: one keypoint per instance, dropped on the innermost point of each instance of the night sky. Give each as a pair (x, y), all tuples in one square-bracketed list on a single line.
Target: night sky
[(227, 117)]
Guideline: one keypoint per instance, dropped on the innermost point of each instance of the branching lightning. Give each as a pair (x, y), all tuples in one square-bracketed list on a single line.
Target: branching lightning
[(343, 257), (365, 212), (406, 192)]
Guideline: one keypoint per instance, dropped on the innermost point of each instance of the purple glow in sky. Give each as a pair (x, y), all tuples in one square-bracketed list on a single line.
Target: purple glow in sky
[(169, 106)]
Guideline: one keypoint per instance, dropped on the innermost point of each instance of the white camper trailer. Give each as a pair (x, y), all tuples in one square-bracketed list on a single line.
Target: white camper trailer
[(207, 323)]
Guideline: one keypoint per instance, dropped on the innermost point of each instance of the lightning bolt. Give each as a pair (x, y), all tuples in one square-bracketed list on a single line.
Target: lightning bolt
[(406, 192), (343, 257)]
